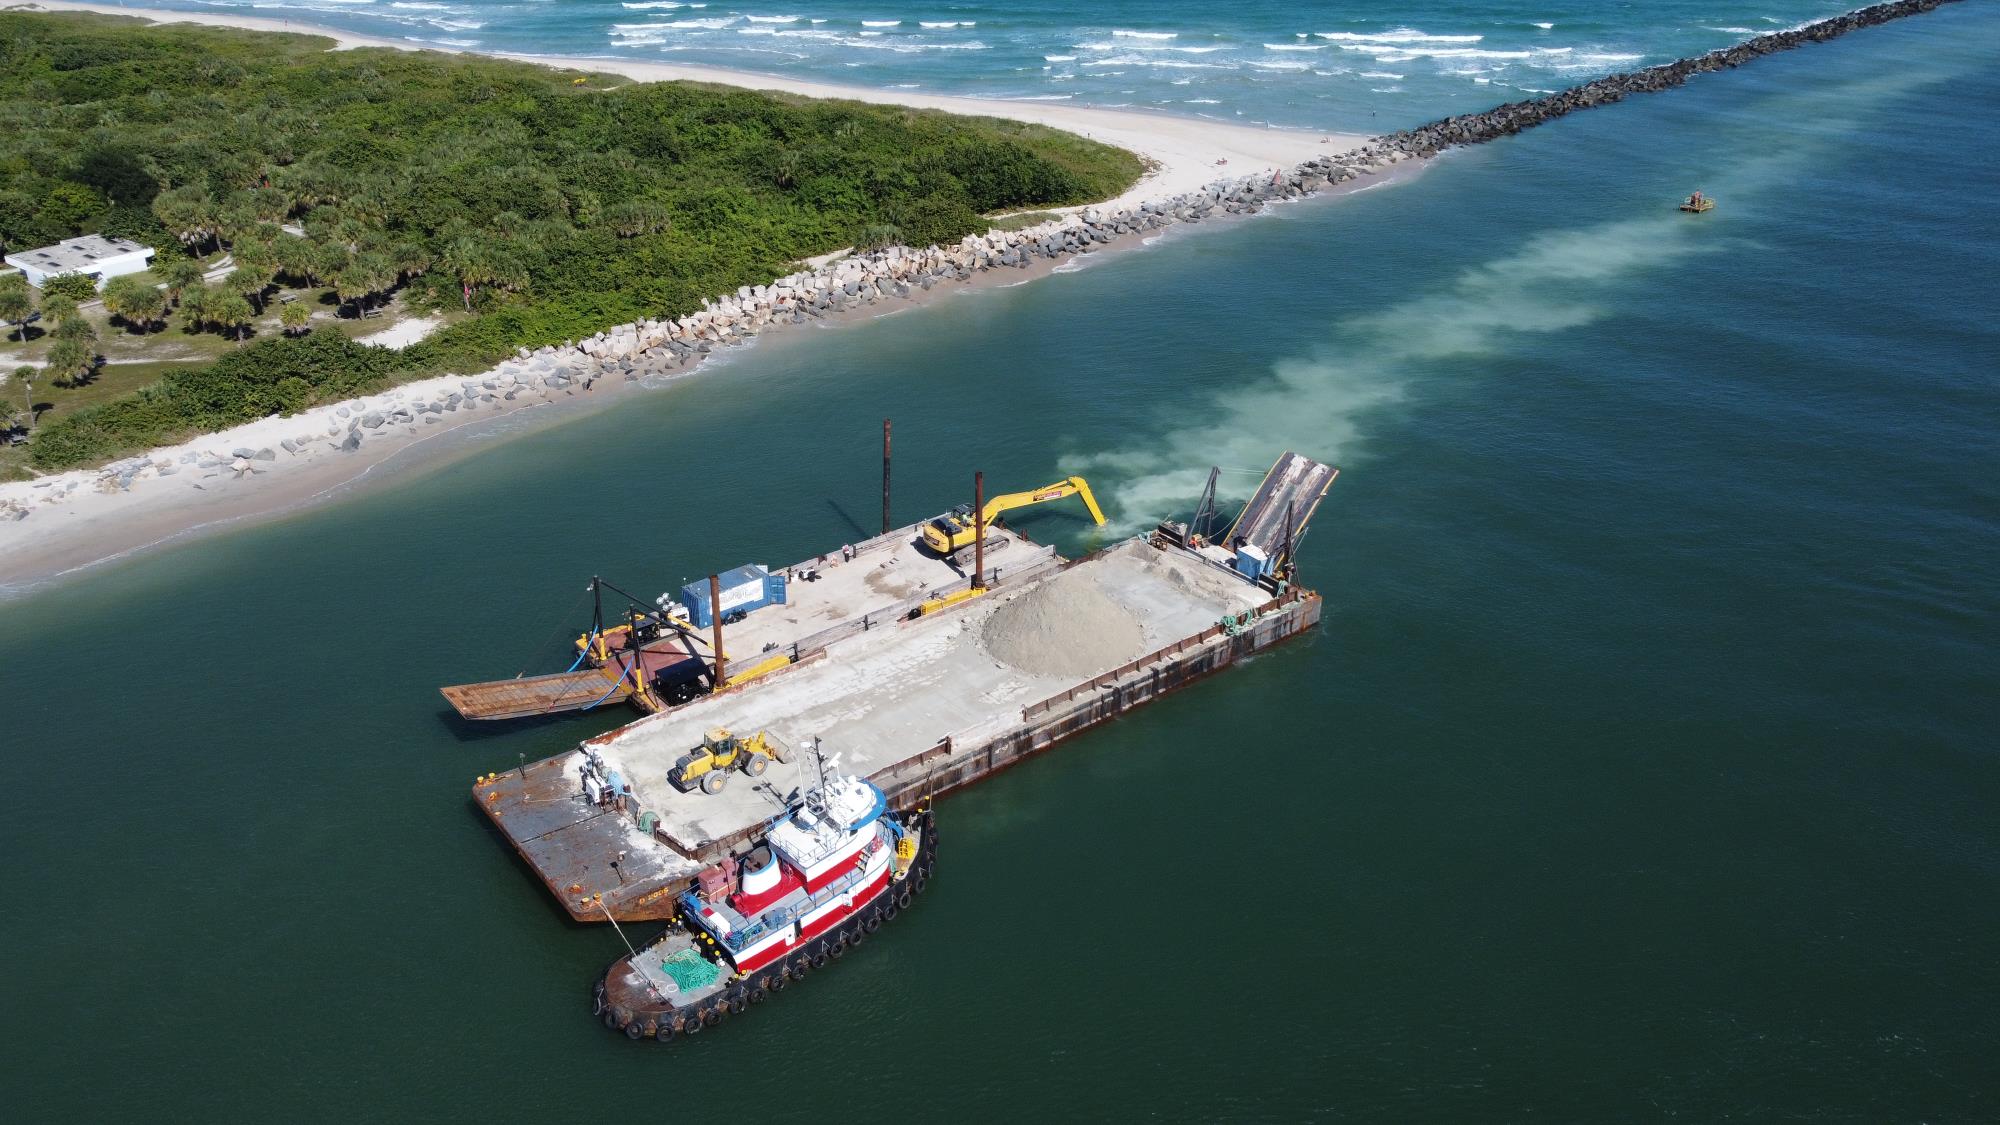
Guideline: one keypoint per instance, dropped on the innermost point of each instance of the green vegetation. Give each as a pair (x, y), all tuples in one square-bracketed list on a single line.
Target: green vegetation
[(550, 210)]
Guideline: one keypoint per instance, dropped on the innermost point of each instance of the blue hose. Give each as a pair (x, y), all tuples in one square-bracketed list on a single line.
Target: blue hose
[(615, 683)]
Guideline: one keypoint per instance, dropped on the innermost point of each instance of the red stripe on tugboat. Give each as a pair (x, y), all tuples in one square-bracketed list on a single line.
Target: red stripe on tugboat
[(826, 876)]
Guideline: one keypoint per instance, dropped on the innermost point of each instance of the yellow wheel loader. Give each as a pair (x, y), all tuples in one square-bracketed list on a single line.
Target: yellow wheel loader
[(709, 765)]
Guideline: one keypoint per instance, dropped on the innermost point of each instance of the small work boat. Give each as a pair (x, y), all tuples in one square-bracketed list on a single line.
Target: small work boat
[(1697, 203), (824, 878)]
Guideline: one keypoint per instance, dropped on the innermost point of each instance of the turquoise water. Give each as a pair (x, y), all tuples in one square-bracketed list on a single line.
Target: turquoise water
[(1643, 766), (1363, 65)]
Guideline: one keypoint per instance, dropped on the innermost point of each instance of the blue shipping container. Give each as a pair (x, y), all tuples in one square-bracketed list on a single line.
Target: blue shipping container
[(744, 589)]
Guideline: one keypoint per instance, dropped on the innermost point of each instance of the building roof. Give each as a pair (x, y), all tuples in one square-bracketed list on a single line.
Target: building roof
[(76, 253)]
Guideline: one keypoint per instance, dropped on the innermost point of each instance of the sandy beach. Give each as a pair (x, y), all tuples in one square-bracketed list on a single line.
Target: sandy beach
[(83, 518)]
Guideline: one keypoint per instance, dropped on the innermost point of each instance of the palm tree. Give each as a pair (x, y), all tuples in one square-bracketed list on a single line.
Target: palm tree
[(294, 316), (197, 303), (58, 307), (327, 259), (349, 286), (69, 362), (26, 374), (17, 304), (189, 212), (294, 256), (178, 273), (233, 312), (81, 331), (248, 284), (477, 262), (412, 258), (132, 299), (237, 216), (374, 271)]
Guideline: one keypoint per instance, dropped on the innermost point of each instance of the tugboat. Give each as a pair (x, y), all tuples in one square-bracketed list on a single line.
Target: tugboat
[(1697, 203), (825, 876)]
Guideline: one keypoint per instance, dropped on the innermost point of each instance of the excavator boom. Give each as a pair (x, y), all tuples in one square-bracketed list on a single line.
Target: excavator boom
[(1074, 486), (948, 533)]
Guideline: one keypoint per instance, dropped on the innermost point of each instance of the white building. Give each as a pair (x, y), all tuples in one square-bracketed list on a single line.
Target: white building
[(94, 254)]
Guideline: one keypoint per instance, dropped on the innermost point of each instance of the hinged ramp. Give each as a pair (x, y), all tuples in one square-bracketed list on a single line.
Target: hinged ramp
[(1275, 518)]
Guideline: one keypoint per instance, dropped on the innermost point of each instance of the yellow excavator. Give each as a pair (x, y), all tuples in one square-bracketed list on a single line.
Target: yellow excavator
[(955, 529), (708, 766)]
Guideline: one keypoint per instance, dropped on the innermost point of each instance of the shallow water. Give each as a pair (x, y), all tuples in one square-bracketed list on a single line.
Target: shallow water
[(1361, 66), (1643, 765)]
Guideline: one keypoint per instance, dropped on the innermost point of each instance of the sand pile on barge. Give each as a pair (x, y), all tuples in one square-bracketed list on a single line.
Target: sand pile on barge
[(1066, 626)]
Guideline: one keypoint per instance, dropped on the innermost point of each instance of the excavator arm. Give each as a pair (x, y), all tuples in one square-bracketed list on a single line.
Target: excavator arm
[(1062, 489), (950, 532)]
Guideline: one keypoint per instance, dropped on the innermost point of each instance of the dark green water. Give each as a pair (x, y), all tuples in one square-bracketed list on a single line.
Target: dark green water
[(1643, 767)]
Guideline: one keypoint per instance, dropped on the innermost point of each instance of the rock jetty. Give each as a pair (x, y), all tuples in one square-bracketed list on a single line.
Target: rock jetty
[(655, 347)]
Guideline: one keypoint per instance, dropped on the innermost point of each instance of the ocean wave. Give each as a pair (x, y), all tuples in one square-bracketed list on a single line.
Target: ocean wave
[(906, 48), (881, 23), (789, 33), (774, 19), (650, 4), (1295, 46), (422, 7), (939, 25), (1546, 26), (1380, 75), (1166, 64), (1383, 52), (457, 25), (1733, 30), (1281, 65), (1149, 47), (1395, 35), (1058, 58), (1123, 34), (1201, 101)]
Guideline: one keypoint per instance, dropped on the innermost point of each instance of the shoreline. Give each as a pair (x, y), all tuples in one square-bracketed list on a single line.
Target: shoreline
[(651, 349), (116, 523), (76, 520)]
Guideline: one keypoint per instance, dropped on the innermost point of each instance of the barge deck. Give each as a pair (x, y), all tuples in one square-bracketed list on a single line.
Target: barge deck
[(919, 708)]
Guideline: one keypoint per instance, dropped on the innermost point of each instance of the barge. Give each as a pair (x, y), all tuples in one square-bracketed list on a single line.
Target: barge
[(921, 689)]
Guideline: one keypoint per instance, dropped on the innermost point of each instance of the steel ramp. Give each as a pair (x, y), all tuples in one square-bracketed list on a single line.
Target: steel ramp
[(1282, 505)]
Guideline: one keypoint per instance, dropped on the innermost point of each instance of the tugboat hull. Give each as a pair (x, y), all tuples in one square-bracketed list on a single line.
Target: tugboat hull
[(621, 999)]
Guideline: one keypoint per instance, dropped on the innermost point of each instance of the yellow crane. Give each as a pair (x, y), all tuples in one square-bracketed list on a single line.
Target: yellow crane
[(954, 530)]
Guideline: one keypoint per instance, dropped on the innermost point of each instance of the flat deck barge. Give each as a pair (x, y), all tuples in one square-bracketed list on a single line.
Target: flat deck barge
[(917, 704)]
